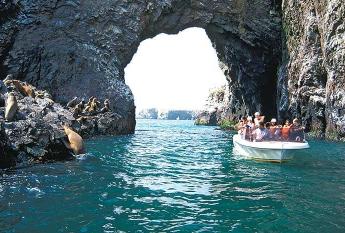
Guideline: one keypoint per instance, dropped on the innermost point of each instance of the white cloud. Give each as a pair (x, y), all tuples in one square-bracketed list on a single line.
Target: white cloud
[(174, 71)]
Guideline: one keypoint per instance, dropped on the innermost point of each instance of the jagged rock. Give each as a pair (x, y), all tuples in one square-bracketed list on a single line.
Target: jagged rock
[(311, 82), (36, 135)]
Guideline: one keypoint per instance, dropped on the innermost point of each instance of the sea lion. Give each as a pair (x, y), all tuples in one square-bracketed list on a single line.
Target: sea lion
[(11, 107), (24, 88), (29, 90), (72, 103), (40, 94), (88, 105), (83, 119), (75, 141), (77, 110), (82, 104), (106, 107), (94, 106), (18, 86), (8, 78)]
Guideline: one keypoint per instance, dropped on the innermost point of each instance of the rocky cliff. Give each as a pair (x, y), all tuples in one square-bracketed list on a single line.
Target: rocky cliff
[(311, 79), (285, 57)]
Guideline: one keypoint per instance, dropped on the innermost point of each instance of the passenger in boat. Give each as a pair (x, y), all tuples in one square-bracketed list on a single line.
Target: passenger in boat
[(261, 133), (272, 129), (241, 127), (249, 129), (258, 118), (278, 133), (296, 131), (286, 131)]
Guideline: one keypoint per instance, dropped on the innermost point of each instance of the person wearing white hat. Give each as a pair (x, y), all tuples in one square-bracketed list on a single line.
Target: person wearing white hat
[(258, 118), (273, 129)]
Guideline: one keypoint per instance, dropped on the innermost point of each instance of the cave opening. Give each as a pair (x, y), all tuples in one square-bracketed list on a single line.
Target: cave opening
[(174, 72)]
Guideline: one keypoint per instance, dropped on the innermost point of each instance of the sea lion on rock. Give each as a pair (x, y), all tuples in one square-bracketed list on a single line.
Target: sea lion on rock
[(17, 85), (24, 88), (8, 78), (106, 107), (29, 90), (88, 105), (75, 141), (77, 110), (72, 103), (11, 107), (94, 105)]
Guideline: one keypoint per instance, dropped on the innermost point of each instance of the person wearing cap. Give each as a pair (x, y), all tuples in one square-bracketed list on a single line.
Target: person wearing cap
[(258, 118), (272, 129), (296, 131)]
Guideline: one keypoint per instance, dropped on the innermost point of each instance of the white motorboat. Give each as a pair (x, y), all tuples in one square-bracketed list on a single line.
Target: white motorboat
[(271, 151)]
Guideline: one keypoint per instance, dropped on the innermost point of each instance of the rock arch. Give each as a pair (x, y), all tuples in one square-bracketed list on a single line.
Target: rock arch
[(73, 47)]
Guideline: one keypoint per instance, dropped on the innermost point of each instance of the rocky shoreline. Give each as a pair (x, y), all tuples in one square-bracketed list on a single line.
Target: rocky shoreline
[(36, 135)]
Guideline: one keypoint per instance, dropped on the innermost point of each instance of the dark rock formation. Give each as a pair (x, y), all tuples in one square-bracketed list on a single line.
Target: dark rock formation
[(82, 47), (311, 80), (36, 135), (209, 118)]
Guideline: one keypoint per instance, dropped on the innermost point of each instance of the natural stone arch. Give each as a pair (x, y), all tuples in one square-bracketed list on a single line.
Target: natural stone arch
[(82, 47), (246, 36)]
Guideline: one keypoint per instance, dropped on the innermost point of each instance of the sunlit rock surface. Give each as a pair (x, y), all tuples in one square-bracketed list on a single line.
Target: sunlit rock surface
[(311, 81), (82, 47)]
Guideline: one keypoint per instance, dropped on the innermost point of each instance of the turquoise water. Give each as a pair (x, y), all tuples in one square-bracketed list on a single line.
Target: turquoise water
[(172, 176)]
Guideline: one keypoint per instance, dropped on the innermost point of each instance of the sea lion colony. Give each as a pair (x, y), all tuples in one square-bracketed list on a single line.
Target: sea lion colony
[(82, 110), (15, 89)]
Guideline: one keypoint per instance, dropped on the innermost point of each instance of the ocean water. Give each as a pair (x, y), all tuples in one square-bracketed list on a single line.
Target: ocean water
[(172, 176)]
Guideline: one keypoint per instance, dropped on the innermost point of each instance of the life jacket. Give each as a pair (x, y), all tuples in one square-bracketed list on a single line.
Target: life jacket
[(286, 132)]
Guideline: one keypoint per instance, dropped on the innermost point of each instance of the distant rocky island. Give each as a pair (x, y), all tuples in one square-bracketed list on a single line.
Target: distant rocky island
[(153, 113)]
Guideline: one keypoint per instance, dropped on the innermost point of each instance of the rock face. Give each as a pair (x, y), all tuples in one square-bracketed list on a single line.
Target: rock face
[(311, 80), (217, 107), (81, 48)]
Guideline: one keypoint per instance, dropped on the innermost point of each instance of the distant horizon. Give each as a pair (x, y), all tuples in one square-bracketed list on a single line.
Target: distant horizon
[(172, 72)]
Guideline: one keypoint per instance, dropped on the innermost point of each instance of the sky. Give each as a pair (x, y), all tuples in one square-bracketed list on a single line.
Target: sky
[(174, 71)]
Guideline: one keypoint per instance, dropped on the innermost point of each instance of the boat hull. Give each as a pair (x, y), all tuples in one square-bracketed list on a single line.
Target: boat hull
[(267, 151)]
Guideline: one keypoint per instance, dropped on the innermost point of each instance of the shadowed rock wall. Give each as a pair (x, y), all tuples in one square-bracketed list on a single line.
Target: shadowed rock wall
[(73, 47)]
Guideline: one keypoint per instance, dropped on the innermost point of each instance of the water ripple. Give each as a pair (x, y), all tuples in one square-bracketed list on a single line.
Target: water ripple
[(175, 177)]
